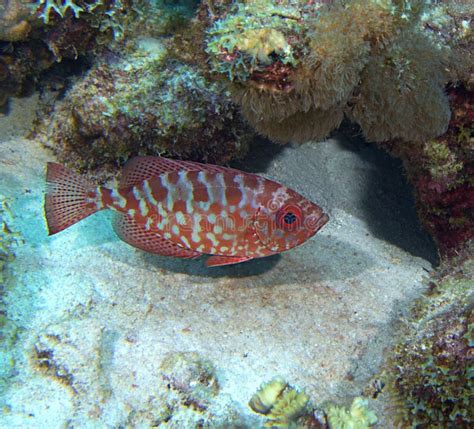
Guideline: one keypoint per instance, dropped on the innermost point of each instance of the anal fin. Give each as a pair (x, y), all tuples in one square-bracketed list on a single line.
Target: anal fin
[(220, 260), (138, 236)]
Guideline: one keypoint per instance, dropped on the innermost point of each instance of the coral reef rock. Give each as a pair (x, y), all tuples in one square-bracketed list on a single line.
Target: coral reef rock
[(431, 371), (36, 36), (441, 171), (144, 103), (379, 63)]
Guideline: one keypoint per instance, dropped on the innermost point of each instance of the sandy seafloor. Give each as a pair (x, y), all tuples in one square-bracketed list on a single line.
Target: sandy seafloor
[(105, 314)]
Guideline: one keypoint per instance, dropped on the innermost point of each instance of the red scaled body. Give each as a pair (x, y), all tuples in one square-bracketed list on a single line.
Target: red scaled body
[(186, 209)]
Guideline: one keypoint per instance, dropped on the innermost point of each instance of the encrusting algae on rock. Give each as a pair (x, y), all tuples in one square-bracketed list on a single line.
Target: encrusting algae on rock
[(143, 105), (150, 95), (251, 35)]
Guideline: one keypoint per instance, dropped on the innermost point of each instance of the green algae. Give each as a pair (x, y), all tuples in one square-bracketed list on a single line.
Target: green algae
[(442, 162)]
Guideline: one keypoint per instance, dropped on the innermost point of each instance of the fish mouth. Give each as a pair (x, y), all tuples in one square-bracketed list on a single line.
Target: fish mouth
[(323, 220)]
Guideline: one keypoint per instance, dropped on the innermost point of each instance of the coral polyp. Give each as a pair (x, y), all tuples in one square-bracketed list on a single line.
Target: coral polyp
[(60, 7), (267, 395), (253, 35), (402, 93), (358, 417), (281, 404)]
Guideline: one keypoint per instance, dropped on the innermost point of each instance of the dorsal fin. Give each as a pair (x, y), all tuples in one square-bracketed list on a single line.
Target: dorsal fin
[(212, 168), (137, 236), (141, 168)]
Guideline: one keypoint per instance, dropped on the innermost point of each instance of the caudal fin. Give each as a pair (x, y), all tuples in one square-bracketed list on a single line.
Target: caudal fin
[(69, 198)]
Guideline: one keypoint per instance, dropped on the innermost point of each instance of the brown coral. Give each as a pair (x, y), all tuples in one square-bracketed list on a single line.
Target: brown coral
[(315, 124), (402, 93)]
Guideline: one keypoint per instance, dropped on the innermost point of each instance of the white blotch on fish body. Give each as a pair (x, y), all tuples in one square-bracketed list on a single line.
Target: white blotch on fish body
[(212, 218), (186, 189), (212, 238), (142, 207), (118, 198), (169, 191), (149, 194), (239, 179), (180, 218)]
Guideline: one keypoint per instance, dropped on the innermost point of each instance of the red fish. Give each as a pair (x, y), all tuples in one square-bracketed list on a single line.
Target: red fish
[(186, 209)]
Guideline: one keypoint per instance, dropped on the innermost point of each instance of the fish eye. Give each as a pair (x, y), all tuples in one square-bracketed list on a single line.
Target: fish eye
[(289, 218)]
